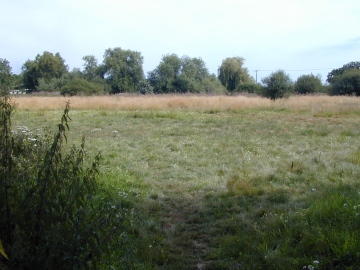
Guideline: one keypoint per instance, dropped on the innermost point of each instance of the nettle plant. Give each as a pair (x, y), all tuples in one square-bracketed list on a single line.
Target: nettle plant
[(53, 214)]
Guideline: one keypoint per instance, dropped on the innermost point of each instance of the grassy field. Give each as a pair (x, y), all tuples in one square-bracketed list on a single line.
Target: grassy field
[(223, 182)]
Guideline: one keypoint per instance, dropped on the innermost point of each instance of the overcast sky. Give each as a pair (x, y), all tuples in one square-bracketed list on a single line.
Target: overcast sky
[(313, 36)]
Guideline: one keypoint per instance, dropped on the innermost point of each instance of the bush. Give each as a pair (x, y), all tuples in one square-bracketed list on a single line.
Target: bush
[(77, 86), (307, 84), (53, 215), (249, 87)]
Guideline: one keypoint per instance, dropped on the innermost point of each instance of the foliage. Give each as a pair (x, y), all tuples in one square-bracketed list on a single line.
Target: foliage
[(213, 86), (145, 88), (249, 87), (163, 77), (53, 85), (5, 76), (307, 84), (339, 71), (93, 72), (80, 86), (182, 75), (46, 66), (276, 85), (53, 214), (123, 70), (231, 73), (348, 83)]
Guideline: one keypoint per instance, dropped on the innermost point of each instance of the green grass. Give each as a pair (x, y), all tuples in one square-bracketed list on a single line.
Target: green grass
[(251, 189)]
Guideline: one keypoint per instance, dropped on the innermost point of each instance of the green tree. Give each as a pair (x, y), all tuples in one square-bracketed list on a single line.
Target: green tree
[(344, 80), (181, 75), (17, 81), (307, 84), (276, 85), (348, 83), (163, 77), (46, 66), (231, 73), (91, 70), (339, 71), (5, 76), (123, 70)]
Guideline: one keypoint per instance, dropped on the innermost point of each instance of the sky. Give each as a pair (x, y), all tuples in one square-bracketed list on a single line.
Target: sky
[(298, 36)]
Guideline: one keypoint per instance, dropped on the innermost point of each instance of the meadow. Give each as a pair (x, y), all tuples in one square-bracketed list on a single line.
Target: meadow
[(224, 182)]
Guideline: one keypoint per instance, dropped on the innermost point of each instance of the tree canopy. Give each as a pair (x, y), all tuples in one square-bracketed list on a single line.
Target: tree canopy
[(345, 80), (348, 83), (91, 68), (46, 66), (307, 84), (276, 85), (339, 71), (5, 75), (231, 73), (181, 75), (123, 70)]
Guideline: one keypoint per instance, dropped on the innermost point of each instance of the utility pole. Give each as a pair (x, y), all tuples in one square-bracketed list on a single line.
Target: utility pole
[(256, 74)]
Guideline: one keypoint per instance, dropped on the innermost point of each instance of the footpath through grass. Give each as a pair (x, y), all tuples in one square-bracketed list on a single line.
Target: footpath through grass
[(250, 189)]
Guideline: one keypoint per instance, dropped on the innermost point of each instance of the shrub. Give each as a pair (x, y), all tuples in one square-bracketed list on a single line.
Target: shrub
[(52, 213), (307, 84), (249, 87), (78, 86)]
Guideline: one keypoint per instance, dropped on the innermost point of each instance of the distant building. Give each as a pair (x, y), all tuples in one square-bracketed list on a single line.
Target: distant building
[(17, 92)]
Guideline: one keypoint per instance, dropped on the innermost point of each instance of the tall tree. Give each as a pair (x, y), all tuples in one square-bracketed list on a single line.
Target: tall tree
[(5, 75), (123, 70), (348, 83), (180, 75), (46, 66), (276, 85), (345, 80), (162, 78), (339, 71), (91, 68), (231, 73)]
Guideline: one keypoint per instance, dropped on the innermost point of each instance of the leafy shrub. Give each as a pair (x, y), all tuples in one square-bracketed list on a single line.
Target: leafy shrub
[(249, 87), (53, 214), (78, 86), (307, 84)]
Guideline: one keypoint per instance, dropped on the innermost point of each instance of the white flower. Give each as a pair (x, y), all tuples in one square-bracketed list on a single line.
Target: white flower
[(316, 262)]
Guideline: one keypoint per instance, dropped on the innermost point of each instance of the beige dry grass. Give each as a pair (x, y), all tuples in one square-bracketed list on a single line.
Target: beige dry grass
[(316, 104)]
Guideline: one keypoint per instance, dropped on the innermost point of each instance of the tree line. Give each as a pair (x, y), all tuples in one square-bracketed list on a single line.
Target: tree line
[(121, 71)]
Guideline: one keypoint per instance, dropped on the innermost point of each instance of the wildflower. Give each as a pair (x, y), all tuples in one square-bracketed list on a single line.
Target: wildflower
[(345, 205), (316, 262)]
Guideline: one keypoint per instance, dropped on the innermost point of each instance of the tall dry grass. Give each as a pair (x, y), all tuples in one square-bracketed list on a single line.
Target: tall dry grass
[(316, 104)]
